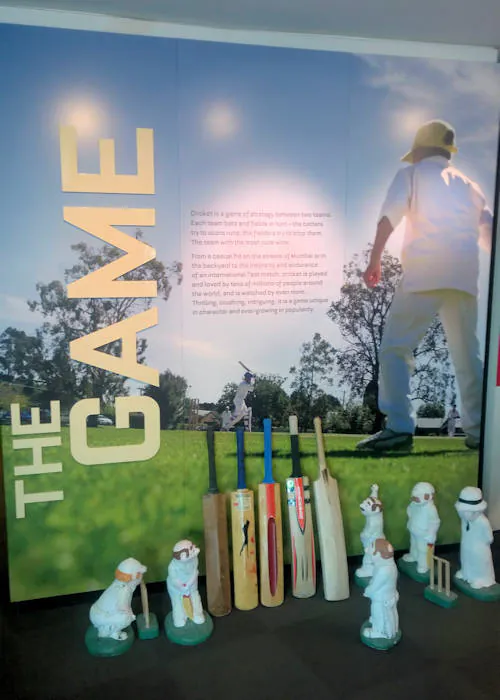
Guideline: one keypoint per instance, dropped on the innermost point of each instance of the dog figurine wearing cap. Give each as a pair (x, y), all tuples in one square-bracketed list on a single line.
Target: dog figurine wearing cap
[(423, 525), (372, 509), (382, 591), (182, 585), (112, 612), (476, 563)]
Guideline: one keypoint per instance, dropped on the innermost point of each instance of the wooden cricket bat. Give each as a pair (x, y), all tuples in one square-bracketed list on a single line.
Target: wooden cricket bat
[(300, 522), (246, 595), (270, 530), (330, 527), (216, 540)]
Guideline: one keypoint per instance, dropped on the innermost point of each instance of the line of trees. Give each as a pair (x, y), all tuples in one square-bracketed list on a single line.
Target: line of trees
[(35, 369)]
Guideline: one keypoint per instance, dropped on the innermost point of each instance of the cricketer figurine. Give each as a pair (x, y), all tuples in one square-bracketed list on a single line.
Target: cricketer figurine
[(447, 223), (182, 585), (476, 563), (423, 525), (240, 410), (383, 593), (112, 612), (372, 509)]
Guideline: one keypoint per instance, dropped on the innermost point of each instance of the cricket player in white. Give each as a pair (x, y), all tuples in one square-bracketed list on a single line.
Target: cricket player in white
[(240, 408), (383, 593), (447, 221), (423, 525), (476, 563)]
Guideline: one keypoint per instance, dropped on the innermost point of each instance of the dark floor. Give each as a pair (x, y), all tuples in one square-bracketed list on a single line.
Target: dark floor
[(304, 649)]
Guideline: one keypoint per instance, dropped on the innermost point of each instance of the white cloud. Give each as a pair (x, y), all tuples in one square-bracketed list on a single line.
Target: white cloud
[(463, 92), (15, 310)]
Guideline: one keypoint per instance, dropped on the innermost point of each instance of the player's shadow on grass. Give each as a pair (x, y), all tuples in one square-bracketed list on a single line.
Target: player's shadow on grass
[(367, 454), (360, 454)]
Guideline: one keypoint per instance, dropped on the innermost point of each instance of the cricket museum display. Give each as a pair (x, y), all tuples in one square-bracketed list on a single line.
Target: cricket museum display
[(244, 290)]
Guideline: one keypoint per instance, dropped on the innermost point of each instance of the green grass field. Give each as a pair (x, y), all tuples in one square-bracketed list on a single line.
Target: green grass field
[(113, 511)]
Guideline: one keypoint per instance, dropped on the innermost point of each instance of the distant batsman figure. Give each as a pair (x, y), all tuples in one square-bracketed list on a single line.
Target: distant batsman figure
[(447, 221)]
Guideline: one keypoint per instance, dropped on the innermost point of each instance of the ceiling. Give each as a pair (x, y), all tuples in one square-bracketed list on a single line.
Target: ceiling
[(445, 21)]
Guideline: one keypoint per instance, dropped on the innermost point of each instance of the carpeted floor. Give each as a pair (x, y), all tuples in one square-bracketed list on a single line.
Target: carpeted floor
[(304, 649)]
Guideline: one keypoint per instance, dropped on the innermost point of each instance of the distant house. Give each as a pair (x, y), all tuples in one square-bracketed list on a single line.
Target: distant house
[(436, 426), (207, 419)]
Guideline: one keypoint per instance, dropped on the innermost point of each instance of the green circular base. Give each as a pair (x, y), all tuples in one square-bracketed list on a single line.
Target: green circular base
[(362, 581), (488, 595), (379, 643), (104, 646), (440, 598), (410, 569), (190, 634)]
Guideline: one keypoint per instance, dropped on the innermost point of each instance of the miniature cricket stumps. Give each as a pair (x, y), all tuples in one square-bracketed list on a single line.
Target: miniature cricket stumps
[(435, 592)]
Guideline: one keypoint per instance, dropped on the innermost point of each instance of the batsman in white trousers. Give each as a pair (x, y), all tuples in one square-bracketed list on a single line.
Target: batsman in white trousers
[(447, 224)]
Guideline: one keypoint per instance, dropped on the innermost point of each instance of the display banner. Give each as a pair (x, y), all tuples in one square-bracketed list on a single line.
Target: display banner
[(175, 208)]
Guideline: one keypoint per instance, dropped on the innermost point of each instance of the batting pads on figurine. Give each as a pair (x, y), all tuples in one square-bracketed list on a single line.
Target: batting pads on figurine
[(372, 509), (381, 630), (187, 624)]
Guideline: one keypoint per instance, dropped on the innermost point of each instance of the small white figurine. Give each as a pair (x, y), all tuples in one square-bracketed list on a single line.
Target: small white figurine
[(476, 564), (382, 591), (112, 612), (240, 410), (182, 585), (423, 525), (372, 509)]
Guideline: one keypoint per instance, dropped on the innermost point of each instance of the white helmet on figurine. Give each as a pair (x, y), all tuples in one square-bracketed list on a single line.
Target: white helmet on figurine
[(423, 492), (184, 550), (130, 570), (470, 499)]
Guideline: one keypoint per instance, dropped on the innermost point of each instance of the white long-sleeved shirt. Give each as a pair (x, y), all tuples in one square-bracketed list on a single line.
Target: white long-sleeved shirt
[(447, 220)]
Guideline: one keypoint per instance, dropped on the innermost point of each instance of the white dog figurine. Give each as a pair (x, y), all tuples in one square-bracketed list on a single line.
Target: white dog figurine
[(476, 563), (382, 591), (372, 509), (112, 612), (423, 525), (182, 585)]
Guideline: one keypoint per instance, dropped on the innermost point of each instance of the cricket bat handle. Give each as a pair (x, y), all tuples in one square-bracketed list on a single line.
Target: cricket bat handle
[(319, 443)]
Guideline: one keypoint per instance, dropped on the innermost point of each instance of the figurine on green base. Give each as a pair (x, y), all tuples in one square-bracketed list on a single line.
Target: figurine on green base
[(423, 526), (188, 623), (476, 576), (111, 615), (372, 509), (382, 631)]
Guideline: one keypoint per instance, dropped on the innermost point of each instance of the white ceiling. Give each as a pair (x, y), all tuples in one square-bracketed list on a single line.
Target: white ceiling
[(473, 22)]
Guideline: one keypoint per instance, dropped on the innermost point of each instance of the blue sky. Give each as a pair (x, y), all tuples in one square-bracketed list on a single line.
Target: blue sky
[(320, 128)]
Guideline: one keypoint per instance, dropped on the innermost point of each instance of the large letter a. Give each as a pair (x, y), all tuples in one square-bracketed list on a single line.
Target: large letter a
[(85, 349)]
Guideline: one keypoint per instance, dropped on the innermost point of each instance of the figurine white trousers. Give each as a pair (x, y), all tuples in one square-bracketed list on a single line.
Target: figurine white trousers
[(418, 553), (408, 320), (179, 614), (384, 618)]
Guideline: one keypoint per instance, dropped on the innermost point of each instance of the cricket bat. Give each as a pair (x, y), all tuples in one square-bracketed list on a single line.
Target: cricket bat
[(270, 530), (216, 540), (300, 522), (330, 527), (246, 595)]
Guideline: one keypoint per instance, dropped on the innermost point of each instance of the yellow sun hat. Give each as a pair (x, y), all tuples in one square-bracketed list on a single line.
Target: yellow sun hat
[(433, 134)]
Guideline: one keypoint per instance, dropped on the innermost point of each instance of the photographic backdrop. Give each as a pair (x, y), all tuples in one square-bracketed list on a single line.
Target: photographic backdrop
[(171, 208)]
